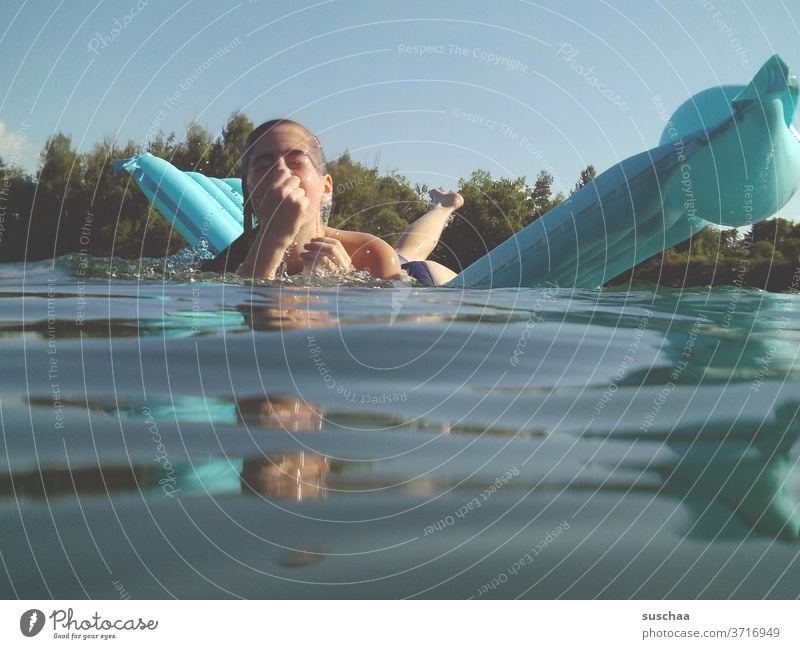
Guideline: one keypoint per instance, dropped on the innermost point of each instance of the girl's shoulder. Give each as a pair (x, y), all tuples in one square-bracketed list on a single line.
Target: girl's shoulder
[(368, 252), (353, 241)]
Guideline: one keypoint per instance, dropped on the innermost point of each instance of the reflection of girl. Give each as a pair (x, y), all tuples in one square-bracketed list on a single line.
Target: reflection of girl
[(296, 476), (287, 190)]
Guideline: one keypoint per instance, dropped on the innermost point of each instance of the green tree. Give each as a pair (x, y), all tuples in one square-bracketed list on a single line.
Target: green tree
[(764, 252), (17, 191), (118, 218), (163, 146), (729, 242), (541, 195), (772, 230), (705, 245), (55, 209), (363, 198), (193, 152), (493, 210), (229, 146), (355, 188), (720, 257), (587, 176), (388, 225), (59, 167), (790, 245)]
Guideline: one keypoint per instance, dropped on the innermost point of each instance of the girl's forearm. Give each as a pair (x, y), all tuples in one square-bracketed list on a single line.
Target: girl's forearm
[(264, 258)]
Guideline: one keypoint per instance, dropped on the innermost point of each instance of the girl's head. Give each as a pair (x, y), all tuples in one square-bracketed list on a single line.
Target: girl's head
[(282, 144)]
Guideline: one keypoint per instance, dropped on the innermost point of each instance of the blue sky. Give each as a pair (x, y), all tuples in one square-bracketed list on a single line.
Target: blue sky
[(432, 90)]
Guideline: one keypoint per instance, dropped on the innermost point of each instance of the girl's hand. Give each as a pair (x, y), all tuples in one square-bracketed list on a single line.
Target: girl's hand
[(326, 253), (280, 205)]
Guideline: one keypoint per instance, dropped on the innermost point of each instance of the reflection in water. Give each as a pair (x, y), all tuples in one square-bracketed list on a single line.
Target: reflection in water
[(279, 411), (52, 483), (299, 477), (753, 480), (282, 411), (750, 472), (177, 324), (296, 477), (745, 466), (110, 327), (754, 477), (275, 411), (708, 490), (286, 310), (296, 309), (756, 481)]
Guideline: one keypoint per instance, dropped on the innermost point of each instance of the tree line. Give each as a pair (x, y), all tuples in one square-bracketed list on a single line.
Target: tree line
[(765, 256), (74, 203)]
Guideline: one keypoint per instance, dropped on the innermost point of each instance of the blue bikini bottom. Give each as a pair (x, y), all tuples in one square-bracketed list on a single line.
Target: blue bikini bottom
[(419, 271)]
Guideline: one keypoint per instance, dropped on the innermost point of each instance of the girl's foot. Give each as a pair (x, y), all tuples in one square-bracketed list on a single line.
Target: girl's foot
[(451, 200)]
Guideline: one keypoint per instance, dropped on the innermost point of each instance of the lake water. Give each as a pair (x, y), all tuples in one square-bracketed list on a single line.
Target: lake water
[(166, 437)]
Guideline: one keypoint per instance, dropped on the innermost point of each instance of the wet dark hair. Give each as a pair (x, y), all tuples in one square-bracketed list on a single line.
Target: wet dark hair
[(315, 153)]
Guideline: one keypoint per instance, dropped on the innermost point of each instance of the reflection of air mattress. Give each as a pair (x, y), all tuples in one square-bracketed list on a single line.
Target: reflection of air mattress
[(728, 156)]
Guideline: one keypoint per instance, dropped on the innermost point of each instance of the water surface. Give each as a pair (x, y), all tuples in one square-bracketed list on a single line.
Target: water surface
[(190, 438)]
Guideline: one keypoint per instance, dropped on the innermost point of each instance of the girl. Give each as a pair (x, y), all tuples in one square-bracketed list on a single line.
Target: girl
[(287, 189)]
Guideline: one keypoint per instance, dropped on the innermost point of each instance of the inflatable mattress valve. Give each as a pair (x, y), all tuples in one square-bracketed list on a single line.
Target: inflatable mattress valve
[(129, 164)]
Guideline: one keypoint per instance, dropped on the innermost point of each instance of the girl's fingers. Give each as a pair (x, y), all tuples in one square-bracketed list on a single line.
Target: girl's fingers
[(322, 246), (331, 250), (322, 241)]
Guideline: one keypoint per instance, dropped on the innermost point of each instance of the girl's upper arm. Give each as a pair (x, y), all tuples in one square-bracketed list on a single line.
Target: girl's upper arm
[(368, 252)]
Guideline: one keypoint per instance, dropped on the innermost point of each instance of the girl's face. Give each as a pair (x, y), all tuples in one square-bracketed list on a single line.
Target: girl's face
[(288, 147)]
